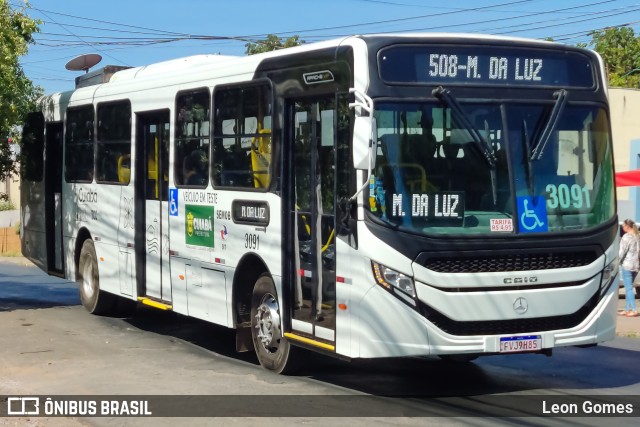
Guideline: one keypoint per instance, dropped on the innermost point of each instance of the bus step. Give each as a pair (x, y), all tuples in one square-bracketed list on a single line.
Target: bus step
[(309, 341), (155, 304)]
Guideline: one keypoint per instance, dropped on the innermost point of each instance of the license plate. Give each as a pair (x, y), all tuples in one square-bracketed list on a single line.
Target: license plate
[(519, 344)]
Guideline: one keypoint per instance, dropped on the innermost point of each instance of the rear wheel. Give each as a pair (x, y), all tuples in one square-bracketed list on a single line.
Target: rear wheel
[(88, 279), (273, 350)]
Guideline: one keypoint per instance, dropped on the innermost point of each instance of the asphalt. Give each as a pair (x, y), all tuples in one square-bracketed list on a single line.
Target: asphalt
[(626, 326)]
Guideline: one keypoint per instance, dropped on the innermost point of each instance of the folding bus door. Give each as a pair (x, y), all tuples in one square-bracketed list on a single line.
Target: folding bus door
[(151, 206), (311, 125)]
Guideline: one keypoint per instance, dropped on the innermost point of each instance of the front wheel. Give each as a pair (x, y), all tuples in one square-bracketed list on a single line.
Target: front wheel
[(273, 350), (88, 279)]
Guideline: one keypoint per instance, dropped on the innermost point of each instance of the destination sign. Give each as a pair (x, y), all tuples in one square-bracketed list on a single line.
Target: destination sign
[(250, 212), (485, 65)]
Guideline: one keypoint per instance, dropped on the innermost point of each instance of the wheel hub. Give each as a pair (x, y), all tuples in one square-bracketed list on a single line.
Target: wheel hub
[(87, 280), (268, 322)]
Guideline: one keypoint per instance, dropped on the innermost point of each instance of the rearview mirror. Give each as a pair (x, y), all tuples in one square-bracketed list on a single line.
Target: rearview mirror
[(364, 137)]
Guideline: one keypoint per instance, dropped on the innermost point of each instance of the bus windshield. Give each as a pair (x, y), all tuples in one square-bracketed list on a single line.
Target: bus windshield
[(503, 167)]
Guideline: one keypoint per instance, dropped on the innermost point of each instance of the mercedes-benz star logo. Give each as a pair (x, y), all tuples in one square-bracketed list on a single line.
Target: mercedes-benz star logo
[(520, 305)]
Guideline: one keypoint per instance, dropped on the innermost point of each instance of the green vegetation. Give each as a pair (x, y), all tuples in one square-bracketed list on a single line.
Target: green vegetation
[(272, 42), (6, 205), (17, 93), (620, 50)]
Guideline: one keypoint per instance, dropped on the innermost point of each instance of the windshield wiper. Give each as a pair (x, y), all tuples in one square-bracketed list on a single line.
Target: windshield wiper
[(483, 146), (550, 125), (486, 150), (526, 157)]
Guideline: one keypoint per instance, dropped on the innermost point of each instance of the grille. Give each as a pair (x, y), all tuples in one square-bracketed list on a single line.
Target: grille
[(506, 327), (509, 262)]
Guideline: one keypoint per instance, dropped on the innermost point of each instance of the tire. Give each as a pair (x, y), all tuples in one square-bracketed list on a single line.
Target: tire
[(274, 351), (93, 299)]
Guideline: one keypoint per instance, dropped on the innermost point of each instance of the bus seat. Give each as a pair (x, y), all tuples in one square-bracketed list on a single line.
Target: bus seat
[(261, 158), (124, 168), (421, 147), (451, 151), (109, 167), (194, 168)]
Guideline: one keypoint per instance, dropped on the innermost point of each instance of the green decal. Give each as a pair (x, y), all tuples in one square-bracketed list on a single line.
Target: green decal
[(199, 225)]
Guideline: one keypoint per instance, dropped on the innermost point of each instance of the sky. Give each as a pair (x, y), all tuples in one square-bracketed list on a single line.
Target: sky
[(141, 32)]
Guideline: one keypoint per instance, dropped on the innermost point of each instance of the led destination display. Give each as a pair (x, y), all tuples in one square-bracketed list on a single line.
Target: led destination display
[(485, 65)]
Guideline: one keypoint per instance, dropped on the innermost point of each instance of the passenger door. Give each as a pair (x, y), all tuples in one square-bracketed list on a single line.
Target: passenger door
[(53, 197), (152, 214), (312, 127)]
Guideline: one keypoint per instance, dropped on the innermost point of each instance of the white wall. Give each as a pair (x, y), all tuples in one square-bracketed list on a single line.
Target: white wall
[(625, 126)]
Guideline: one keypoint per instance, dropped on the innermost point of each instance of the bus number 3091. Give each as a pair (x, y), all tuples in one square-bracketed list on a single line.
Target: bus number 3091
[(251, 241)]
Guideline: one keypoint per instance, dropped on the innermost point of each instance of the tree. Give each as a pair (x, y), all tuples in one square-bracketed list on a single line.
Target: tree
[(272, 42), (17, 92), (620, 50)]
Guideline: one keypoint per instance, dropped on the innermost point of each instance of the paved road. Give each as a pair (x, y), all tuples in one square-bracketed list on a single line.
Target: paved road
[(49, 345)]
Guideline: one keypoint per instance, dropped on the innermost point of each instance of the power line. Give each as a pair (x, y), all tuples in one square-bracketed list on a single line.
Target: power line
[(157, 33), (120, 43), (430, 6), (412, 18), (572, 22), (148, 40), (100, 21), (514, 17), (69, 31), (586, 33), (601, 14), (431, 15)]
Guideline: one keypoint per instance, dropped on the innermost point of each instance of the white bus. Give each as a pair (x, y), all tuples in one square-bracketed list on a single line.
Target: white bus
[(374, 196)]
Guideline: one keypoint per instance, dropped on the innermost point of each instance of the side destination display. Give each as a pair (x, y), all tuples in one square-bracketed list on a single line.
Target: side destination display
[(250, 212)]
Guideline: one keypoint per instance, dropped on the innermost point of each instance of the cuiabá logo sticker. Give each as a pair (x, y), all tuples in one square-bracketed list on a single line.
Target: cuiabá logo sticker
[(199, 225)]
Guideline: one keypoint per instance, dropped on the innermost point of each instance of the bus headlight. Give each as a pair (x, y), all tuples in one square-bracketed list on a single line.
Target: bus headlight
[(394, 281), (609, 274)]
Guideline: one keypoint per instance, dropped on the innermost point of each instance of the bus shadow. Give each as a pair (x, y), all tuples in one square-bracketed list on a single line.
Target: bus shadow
[(570, 368), (205, 335)]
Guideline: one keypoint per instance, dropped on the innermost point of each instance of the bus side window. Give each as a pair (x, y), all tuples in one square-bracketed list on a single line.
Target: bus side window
[(114, 143), (242, 136), (32, 157), (191, 153), (79, 144)]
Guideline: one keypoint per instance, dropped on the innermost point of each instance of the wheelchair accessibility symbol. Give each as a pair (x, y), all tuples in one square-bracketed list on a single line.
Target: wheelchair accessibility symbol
[(532, 214), (173, 201)]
